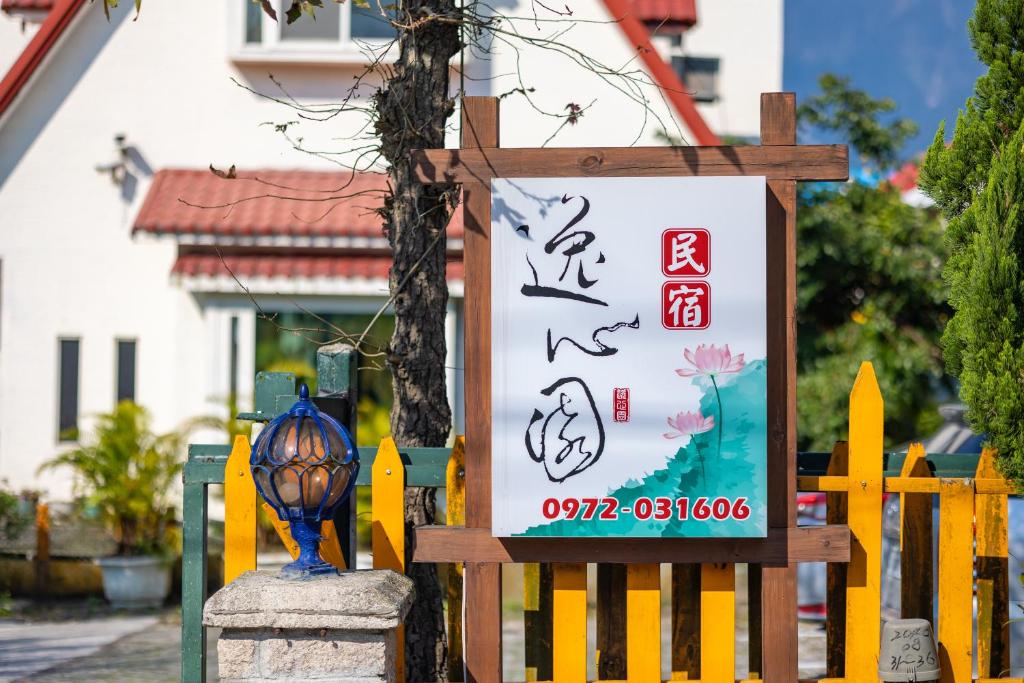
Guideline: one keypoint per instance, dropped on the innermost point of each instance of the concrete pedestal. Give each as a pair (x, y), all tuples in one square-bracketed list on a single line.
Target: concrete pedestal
[(331, 628)]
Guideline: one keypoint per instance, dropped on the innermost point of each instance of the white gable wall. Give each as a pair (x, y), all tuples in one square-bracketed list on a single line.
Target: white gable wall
[(15, 32), (621, 109), (746, 35)]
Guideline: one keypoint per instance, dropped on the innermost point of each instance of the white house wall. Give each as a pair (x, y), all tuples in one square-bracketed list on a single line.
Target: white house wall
[(69, 264), (15, 32)]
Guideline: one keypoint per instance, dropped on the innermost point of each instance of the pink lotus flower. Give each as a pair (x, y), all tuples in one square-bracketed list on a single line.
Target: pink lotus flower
[(687, 424), (710, 361)]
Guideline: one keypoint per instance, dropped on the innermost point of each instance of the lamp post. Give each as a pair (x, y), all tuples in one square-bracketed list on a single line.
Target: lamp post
[(305, 464)]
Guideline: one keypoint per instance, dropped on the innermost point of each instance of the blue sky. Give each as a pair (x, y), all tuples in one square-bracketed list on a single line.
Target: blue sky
[(915, 51)]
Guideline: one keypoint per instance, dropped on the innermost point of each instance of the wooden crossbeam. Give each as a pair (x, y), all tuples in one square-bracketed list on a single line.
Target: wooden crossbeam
[(776, 162), (829, 543)]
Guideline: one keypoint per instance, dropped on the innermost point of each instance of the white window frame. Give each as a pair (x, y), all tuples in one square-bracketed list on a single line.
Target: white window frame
[(272, 49)]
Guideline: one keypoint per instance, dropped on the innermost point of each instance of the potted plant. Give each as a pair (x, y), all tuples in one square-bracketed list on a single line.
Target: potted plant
[(128, 476)]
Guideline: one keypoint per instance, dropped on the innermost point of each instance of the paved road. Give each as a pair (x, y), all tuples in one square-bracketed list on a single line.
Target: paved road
[(152, 655), (146, 649), (26, 648)]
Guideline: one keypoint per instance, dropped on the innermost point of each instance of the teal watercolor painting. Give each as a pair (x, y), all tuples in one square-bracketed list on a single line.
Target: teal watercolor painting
[(715, 451)]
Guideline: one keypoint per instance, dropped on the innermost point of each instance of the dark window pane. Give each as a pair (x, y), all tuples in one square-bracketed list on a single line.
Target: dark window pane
[(67, 421), (325, 26), (700, 75), (368, 23), (253, 22), (125, 371), (233, 379)]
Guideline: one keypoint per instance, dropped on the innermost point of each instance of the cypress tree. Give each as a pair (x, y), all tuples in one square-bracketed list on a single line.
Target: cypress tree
[(978, 184)]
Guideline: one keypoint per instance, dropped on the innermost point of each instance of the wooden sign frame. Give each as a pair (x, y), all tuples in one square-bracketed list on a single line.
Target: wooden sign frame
[(783, 163)]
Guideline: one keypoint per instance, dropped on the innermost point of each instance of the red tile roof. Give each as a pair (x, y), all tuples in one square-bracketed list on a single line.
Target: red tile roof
[(42, 5), (293, 267), (905, 179), (666, 13), (267, 203)]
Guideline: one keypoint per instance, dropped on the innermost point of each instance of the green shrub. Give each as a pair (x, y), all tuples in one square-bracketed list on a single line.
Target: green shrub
[(129, 475)]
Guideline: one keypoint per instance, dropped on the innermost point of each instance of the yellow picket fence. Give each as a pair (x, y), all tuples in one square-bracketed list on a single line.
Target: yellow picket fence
[(972, 545)]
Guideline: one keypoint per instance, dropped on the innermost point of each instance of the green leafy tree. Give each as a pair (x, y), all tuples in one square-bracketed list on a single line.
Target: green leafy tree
[(989, 300), (977, 183), (129, 474), (856, 116), (868, 281)]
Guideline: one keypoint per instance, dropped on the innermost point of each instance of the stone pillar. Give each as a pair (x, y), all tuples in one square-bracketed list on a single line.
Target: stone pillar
[(330, 628)]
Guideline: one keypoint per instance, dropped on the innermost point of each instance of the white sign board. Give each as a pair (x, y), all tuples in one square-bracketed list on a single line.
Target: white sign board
[(628, 357)]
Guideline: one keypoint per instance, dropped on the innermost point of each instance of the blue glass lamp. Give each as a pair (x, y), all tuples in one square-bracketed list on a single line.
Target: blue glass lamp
[(305, 464)]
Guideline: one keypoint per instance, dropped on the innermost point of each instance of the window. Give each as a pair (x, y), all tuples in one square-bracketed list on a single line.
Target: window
[(338, 29), (700, 75), (233, 361), (125, 370), (253, 22), (67, 402), (325, 24), (368, 24)]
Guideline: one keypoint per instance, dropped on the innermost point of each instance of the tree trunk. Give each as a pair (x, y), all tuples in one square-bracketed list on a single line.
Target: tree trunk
[(412, 113)]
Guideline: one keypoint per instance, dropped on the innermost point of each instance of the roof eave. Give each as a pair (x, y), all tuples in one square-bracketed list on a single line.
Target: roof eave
[(35, 53)]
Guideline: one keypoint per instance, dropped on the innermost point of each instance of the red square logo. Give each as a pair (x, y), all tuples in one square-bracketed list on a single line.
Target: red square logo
[(620, 404), (686, 252), (686, 305)]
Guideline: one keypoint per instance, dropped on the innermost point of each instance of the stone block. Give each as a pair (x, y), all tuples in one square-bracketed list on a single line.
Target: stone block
[(310, 654), (352, 601), (236, 656), (337, 628)]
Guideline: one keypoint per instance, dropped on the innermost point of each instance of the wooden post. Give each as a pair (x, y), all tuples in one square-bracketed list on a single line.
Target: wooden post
[(916, 542), (836, 572), (538, 597), (992, 519), (387, 483), (643, 623), (569, 639), (718, 622), (239, 512), (337, 394), (778, 596), (193, 579), (42, 557), (755, 622), (455, 515), (863, 586), (956, 603), (686, 611), (611, 622), (482, 580)]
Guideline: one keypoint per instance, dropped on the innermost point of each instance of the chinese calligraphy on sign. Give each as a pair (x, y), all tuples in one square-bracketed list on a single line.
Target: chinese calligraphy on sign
[(685, 305), (686, 253), (628, 372)]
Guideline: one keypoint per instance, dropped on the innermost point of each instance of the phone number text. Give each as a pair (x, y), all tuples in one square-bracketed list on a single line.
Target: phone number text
[(660, 509)]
